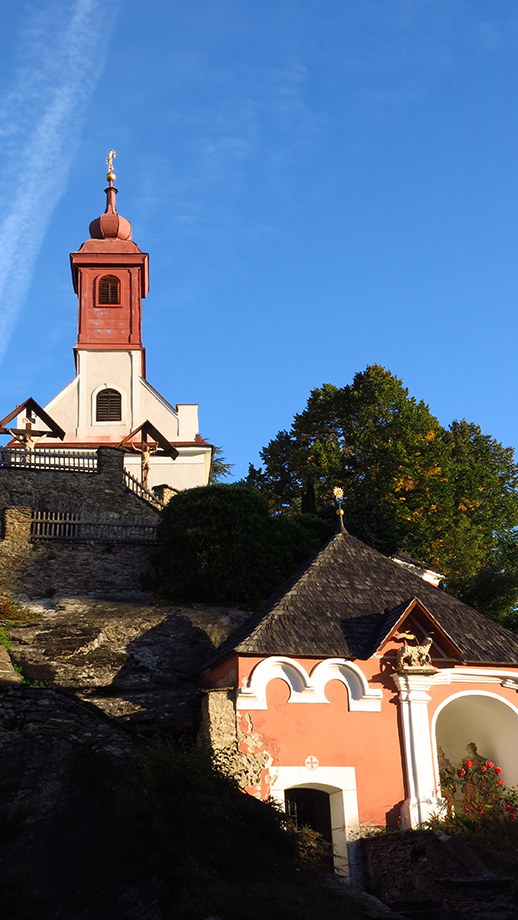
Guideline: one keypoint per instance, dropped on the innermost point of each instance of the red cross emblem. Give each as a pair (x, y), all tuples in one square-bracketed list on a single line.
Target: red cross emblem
[(311, 762)]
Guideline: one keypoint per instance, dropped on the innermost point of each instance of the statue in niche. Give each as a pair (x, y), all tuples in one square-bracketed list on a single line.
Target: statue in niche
[(473, 755)]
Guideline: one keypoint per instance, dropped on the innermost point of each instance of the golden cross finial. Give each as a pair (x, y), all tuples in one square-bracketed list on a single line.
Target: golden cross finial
[(110, 175)]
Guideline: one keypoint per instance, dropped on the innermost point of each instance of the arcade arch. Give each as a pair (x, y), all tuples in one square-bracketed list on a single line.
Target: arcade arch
[(485, 719)]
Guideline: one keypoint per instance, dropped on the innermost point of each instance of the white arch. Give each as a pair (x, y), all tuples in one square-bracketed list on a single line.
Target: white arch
[(305, 689), (509, 759), (340, 784), (360, 695)]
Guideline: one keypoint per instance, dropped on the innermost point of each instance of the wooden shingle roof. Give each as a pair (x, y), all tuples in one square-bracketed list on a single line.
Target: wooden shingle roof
[(345, 599)]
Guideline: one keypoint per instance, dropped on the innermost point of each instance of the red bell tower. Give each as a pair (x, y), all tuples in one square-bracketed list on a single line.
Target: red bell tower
[(111, 276)]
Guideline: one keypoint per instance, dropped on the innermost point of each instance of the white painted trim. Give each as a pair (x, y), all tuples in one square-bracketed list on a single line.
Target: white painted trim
[(487, 675), (420, 743), (340, 783), (361, 697), (422, 800), (306, 689)]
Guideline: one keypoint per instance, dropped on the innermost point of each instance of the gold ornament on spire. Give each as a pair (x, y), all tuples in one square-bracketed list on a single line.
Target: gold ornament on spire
[(110, 175)]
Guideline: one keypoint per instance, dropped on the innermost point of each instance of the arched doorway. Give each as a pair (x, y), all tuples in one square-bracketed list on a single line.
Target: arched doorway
[(486, 720), (311, 808)]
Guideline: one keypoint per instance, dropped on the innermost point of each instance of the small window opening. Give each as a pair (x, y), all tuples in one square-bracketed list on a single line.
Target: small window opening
[(108, 406), (109, 290)]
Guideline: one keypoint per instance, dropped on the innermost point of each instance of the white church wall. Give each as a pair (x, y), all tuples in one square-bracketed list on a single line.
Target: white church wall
[(158, 411), (187, 471), (63, 408)]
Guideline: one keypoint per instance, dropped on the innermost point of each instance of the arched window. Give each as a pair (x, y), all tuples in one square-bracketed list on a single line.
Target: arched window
[(108, 406), (109, 290)]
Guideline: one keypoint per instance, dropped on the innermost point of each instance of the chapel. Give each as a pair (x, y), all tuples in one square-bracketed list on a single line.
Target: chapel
[(352, 690), (110, 402)]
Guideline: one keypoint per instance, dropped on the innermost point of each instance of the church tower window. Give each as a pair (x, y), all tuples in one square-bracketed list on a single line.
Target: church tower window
[(109, 290), (108, 406)]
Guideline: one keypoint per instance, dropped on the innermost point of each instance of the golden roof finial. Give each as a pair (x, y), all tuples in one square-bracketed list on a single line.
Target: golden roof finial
[(110, 175), (338, 493)]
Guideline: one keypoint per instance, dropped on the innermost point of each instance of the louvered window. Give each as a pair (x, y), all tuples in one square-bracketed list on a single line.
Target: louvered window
[(108, 407), (109, 290)]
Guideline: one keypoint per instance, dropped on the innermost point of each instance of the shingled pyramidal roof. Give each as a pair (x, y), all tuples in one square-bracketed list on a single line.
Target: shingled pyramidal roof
[(347, 598)]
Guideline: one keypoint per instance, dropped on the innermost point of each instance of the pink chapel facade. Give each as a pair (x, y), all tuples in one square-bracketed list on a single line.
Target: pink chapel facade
[(110, 397), (351, 736)]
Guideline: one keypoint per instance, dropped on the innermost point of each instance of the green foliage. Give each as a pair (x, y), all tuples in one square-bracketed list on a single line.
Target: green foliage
[(481, 809), (13, 615), (185, 825), (219, 468), (446, 497), (221, 545)]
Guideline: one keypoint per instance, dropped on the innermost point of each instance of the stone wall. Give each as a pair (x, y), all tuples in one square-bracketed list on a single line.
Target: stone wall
[(415, 870), (236, 753), (30, 570), (70, 490)]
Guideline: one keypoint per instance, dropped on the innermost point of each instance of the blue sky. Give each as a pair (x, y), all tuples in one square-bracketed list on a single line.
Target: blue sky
[(321, 185)]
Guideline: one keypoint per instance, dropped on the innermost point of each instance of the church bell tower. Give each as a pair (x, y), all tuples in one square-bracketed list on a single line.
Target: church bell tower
[(110, 398)]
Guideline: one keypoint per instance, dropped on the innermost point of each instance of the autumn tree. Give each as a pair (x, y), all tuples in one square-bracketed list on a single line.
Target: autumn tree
[(447, 497)]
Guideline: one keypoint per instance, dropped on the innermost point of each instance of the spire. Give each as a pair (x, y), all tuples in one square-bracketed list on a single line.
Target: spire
[(110, 226), (339, 495)]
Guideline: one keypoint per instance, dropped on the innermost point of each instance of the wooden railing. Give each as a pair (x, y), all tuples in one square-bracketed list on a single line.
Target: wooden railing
[(136, 486), (79, 461), (65, 525)]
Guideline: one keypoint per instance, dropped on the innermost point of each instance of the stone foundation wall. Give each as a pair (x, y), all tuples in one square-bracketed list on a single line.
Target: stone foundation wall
[(70, 490), (435, 869), (32, 570), (236, 753)]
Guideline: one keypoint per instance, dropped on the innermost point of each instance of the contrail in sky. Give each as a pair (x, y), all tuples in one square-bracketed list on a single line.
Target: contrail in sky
[(63, 50)]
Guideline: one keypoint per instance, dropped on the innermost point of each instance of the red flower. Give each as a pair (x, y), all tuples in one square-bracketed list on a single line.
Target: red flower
[(480, 810), (500, 782), (469, 763), (498, 770), (511, 816), (466, 809), (489, 764), (483, 769), (507, 806), (462, 773)]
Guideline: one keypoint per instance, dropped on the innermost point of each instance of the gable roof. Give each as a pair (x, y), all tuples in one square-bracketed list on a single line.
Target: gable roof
[(343, 603), (30, 405)]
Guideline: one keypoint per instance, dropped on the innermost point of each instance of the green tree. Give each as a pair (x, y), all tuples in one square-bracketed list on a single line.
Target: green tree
[(446, 497), (219, 544), (219, 468)]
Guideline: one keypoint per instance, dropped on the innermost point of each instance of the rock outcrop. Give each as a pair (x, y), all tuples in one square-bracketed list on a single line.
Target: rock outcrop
[(136, 662)]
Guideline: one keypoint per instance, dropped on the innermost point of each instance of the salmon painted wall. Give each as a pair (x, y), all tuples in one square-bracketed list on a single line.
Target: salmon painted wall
[(292, 732), (368, 741)]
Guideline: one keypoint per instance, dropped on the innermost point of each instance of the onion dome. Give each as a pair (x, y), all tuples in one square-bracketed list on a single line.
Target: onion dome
[(110, 225)]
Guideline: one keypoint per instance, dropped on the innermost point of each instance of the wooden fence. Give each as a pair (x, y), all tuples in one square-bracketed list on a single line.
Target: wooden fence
[(79, 461), (136, 486), (65, 525)]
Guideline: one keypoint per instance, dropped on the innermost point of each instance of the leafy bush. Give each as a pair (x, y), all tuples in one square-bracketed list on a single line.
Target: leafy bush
[(213, 849), (482, 809), (220, 545)]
